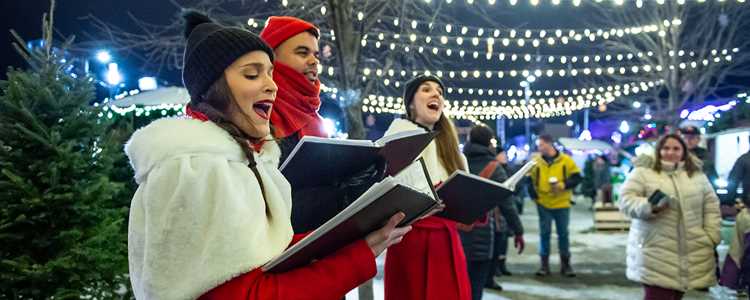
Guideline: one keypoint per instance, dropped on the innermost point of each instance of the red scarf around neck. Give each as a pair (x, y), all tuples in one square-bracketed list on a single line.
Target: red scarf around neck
[(297, 102)]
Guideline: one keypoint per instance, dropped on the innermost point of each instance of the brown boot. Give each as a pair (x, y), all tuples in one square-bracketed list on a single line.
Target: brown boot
[(565, 268), (544, 268)]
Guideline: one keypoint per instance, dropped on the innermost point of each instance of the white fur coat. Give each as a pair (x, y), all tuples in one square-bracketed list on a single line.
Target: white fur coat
[(198, 218), (438, 173)]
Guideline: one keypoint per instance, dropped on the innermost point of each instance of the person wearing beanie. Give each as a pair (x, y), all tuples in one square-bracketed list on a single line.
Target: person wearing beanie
[(479, 242), (692, 137), (429, 263), (503, 229), (295, 115), (211, 206)]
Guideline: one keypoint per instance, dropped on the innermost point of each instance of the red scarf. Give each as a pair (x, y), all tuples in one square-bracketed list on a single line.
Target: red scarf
[(202, 117), (297, 102)]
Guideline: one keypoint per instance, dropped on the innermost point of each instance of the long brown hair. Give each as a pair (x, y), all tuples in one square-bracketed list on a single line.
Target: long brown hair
[(447, 143), (690, 166), (215, 105)]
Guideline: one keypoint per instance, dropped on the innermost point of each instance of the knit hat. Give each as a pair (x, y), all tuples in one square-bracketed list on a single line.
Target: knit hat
[(210, 49), (481, 135), (280, 28), (413, 85), (690, 130)]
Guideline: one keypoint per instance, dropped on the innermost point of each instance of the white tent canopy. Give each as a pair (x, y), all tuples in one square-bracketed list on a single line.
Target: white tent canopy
[(576, 144), (167, 95)]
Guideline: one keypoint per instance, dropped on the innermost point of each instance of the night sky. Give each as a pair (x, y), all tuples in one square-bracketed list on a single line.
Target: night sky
[(25, 17)]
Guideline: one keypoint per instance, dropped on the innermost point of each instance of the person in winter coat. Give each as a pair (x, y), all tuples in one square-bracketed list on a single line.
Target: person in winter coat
[(739, 176), (692, 137), (553, 179), (295, 115), (429, 263), (675, 222), (211, 206), (596, 183), (478, 242), (502, 228), (736, 271)]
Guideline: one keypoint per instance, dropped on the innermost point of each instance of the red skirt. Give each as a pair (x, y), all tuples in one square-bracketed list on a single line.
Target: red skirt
[(429, 263)]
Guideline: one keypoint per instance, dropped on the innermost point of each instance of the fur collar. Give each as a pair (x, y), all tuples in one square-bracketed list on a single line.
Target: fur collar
[(171, 137)]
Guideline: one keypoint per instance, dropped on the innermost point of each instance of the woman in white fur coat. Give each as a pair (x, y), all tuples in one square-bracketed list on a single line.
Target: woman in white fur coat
[(211, 206), (675, 222)]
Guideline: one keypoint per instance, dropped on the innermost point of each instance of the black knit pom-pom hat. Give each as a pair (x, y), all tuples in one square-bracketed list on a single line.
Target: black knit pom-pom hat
[(413, 85), (211, 48)]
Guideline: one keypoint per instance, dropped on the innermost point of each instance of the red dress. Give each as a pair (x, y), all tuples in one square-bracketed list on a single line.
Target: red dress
[(429, 263), (329, 278)]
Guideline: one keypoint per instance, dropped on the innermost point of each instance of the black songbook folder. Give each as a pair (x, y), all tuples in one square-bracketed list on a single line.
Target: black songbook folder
[(319, 161), (368, 213), (468, 197)]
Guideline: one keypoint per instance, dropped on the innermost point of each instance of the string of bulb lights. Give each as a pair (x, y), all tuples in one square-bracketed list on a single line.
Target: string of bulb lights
[(512, 108), (447, 51), (539, 73)]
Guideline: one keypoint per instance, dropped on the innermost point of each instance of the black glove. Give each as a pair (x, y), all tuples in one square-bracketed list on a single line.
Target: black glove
[(355, 185), (657, 197)]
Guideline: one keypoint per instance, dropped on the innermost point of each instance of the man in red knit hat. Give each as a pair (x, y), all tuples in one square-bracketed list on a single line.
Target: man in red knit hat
[(295, 115), (295, 43)]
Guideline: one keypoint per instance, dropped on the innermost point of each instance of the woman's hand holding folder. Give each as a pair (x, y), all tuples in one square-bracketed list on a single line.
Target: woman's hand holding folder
[(387, 236)]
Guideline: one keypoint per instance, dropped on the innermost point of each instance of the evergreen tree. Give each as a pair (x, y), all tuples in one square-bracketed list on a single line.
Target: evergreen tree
[(62, 216)]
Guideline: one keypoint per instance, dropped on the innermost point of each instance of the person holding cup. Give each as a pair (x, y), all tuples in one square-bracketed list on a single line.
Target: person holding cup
[(552, 181)]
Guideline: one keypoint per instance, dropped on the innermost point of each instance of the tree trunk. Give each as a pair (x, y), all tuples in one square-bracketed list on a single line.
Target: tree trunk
[(348, 41)]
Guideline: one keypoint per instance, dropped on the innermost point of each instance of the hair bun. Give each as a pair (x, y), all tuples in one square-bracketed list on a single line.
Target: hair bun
[(193, 18)]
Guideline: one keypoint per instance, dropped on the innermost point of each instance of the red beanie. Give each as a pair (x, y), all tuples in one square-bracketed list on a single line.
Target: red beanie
[(280, 28)]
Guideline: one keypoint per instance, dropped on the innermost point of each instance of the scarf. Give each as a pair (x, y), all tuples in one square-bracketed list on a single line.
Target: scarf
[(669, 166), (297, 103)]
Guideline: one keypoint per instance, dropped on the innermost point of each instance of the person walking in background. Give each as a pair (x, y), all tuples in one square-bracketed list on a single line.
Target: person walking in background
[(478, 243), (692, 137), (552, 181), (736, 271), (739, 176), (675, 222), (596, 183), (502, 230)]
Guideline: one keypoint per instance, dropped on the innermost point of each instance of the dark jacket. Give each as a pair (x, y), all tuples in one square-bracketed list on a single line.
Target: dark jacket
[(595, 178), (313, 206), (708, 167), (478, 242), (740, 174)]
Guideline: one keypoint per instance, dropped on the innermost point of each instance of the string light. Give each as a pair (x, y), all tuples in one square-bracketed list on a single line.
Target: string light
[(566, 72), (511, 108), (158, 110), (577, 34), (448, 51)]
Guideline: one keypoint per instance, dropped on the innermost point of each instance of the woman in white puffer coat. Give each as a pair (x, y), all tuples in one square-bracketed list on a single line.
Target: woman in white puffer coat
[(675, 222)]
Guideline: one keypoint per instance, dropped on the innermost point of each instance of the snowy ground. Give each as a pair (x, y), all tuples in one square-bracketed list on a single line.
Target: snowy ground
[(598, 258)]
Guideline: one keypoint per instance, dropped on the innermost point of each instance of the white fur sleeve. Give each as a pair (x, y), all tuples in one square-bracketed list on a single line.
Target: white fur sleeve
[(198, 221)]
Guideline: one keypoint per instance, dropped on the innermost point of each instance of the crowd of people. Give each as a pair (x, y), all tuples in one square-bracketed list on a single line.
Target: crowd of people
[(212, 206)]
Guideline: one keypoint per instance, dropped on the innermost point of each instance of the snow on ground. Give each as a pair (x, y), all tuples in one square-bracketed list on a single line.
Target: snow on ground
[(598, 258)]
